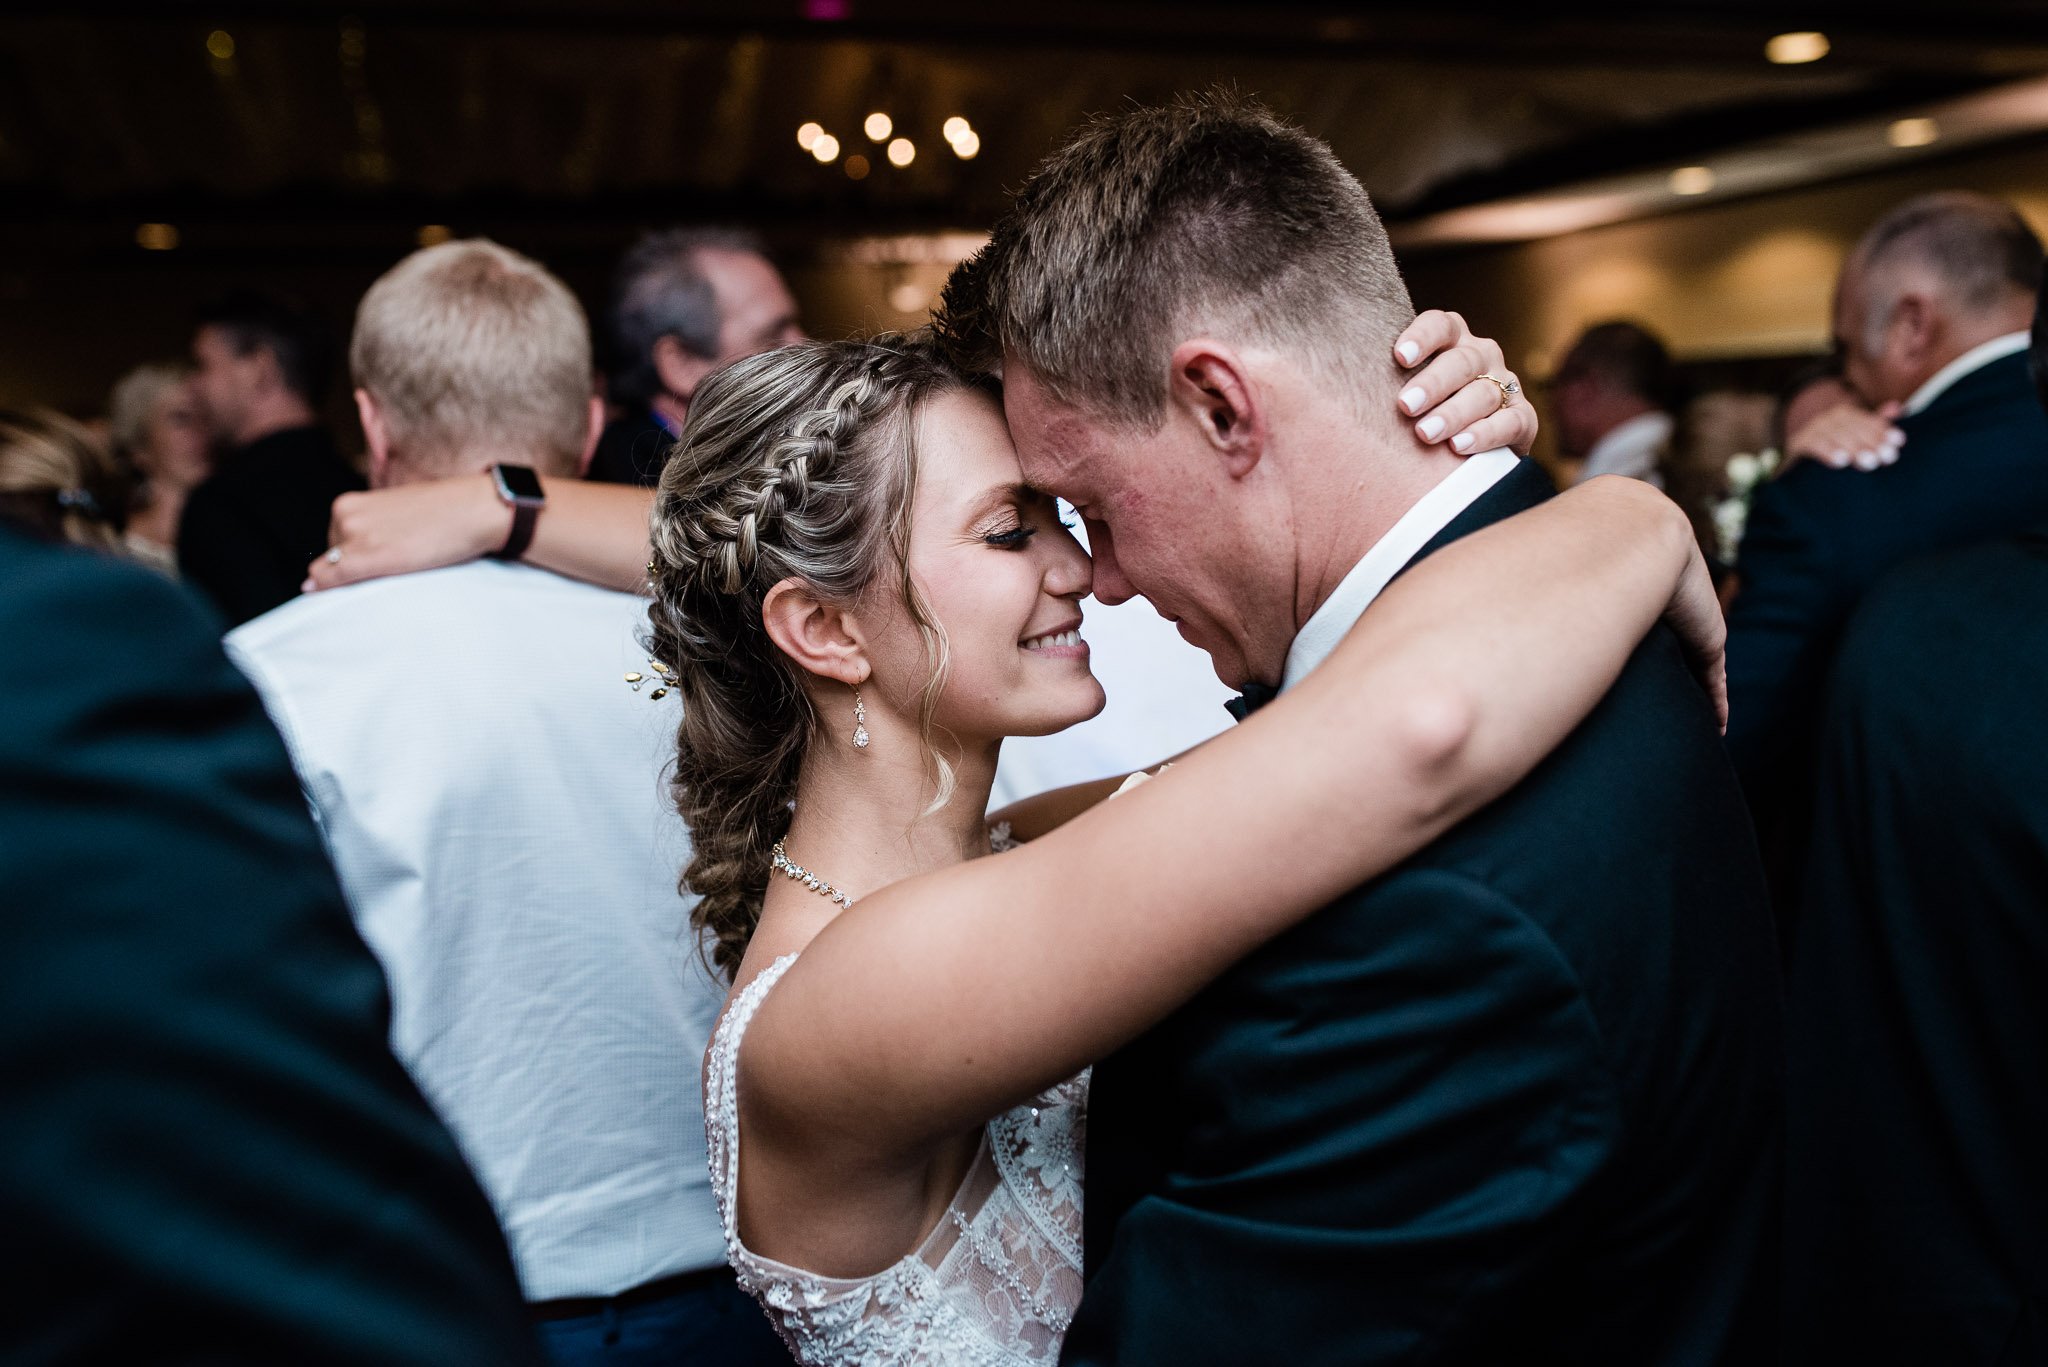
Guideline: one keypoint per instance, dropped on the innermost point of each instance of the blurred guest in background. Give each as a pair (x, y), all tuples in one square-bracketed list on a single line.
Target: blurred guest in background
[(207, 1151), (1712, 432), (58, 483), (1931, 314), (684, 303), (247, 532), (1612, 398), (1916, 1195), (491, 791), (158, 429)]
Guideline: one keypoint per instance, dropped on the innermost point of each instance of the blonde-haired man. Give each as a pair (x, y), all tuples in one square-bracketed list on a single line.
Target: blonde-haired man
[(491, 792)]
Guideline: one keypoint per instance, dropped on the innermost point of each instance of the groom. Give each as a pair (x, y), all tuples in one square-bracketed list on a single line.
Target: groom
[(1516, 1100)]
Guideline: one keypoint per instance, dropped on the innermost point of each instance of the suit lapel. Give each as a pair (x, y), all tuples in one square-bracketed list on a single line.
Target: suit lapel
[(1520, 489)]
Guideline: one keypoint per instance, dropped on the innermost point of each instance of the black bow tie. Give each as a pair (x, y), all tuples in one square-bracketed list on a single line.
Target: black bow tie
[(1254, 697)]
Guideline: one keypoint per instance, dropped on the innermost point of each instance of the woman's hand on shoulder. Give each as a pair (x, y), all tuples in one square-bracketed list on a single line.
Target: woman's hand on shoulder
[(1847, 436), (409, 527), (1448, 394)]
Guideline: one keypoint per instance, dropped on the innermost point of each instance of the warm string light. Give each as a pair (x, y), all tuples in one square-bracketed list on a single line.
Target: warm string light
[(1691, 180), (156, 237), (899, 151), (434, 234), (1794, 49), (1913, 132)]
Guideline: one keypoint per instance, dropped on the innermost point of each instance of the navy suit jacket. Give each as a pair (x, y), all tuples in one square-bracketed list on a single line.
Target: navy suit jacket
[(1514, 1101), (207, 1152), (1975, 466), (1916, 1198)]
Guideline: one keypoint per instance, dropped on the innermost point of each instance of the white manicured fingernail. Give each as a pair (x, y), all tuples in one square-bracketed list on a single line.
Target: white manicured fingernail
[(1462, 442), (1408, 352), (1432, 428), (1894, 437), (1411, 398), (1866, 460), (1889, 455), (1839, 459)]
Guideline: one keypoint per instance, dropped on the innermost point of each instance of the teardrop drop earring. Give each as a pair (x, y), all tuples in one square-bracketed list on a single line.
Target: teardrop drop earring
[(860, 721)]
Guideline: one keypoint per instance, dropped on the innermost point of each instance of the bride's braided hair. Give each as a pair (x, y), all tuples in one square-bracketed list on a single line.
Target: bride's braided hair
[(798, 463)]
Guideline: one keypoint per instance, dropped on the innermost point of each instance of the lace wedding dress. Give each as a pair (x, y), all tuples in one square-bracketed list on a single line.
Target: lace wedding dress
[(994, 1285)]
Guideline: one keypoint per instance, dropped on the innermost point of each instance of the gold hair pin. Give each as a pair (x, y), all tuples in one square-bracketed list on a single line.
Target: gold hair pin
[(663, 683)]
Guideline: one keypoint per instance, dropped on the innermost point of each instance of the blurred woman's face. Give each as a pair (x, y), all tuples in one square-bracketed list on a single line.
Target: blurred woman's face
[(177, 447)]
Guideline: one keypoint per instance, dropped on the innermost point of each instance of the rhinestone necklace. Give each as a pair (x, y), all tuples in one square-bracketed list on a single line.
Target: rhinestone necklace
[(783, 864)]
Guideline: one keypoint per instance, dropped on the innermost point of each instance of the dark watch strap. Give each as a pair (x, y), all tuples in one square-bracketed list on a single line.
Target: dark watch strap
[(524, 515)]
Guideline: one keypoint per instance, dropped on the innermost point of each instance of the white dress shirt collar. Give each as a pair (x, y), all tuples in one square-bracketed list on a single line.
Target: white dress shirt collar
[(1976, 358), (1631, 448), (1433, 512)]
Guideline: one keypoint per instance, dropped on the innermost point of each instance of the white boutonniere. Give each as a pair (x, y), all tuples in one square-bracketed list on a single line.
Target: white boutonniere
[(1747, 472)]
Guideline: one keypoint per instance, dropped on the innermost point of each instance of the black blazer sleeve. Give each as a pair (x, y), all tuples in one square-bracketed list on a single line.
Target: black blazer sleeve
[(1403, 1097), (1782, 625), (225, 557), (207, 1151)]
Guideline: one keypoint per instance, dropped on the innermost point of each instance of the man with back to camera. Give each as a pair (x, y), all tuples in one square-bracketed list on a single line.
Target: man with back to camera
[(1612, 400), (260, 371), (1931, 313), (491, 790), (683, 303), (1516, 1100), (1916, 1202)]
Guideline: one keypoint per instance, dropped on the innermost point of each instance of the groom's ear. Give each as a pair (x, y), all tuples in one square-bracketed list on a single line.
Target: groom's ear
[(1212, 385), (823, 639)]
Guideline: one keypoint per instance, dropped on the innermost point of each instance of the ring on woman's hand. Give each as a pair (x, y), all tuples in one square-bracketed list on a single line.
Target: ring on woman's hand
[(333, 555), (1508, 389)]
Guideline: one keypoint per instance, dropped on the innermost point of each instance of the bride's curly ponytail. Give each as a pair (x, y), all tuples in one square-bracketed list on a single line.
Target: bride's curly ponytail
[(796, 463)]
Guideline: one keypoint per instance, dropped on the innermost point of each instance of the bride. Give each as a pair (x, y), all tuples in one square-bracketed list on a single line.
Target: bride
[(858, 599)]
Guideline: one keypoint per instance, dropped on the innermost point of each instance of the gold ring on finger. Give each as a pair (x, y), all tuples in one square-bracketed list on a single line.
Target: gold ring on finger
[(1510, 388)]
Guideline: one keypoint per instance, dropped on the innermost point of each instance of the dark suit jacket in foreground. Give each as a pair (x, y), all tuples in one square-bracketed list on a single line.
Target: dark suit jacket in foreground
[(1514, 1102), (248, 533), (1975, 466), (1917, 1120), (207, 1152)]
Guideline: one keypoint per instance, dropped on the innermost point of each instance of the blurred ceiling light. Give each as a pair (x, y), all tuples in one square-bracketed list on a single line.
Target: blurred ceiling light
[(966, 145), (857, 167), (825, 148), (1791, 49), (908, 297), (902, 152), (220, 45), (878, 126), (1913, 132), (808, 134), (1691, 180), (156, 237), (956, 128), (434, 234)]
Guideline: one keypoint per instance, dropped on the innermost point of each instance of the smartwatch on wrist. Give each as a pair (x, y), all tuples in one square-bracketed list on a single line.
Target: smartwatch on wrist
[(518, 488)]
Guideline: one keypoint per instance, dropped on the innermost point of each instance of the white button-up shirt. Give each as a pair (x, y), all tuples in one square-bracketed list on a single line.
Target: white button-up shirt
[(1631, 448), (491, 791), (1417, 527)]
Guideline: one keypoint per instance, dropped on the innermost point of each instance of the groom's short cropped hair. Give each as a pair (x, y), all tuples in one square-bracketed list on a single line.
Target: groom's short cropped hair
[(1157, 224), (469, 346)]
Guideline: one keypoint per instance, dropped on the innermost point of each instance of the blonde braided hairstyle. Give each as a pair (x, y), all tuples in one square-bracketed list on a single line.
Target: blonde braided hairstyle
[(798, 463)]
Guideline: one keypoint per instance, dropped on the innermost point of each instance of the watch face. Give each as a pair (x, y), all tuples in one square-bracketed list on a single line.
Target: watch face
[(518, 484)]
